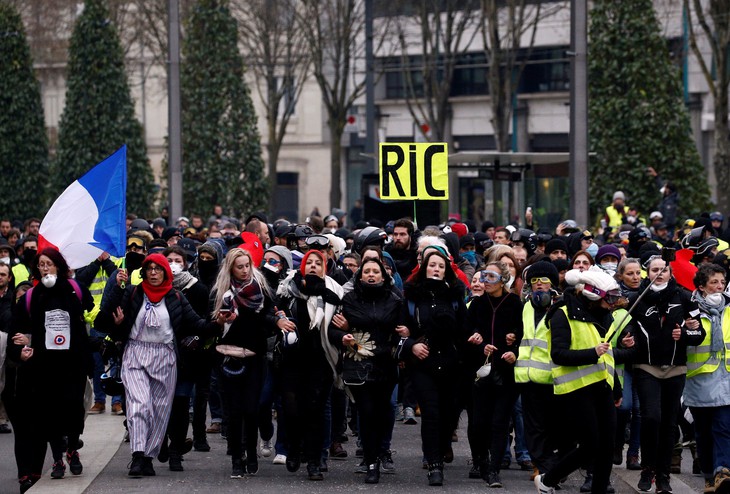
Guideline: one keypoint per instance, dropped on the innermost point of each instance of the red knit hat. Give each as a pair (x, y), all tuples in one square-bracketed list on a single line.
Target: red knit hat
[(460, 229), (311, 252)]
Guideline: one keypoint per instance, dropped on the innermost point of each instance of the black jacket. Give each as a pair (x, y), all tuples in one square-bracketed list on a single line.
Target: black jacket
[(250, 329), (374, 314), (494, 326), (655, 316), (438, 319)]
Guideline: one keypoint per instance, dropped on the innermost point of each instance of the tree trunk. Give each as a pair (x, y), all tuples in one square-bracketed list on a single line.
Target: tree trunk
[(721, 160), (335, 162), (273, 148)]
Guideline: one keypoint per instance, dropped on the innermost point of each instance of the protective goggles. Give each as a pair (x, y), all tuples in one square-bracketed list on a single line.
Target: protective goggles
[(612, 297), (541, 279), (135, 243), (318, 242), (490, 277)]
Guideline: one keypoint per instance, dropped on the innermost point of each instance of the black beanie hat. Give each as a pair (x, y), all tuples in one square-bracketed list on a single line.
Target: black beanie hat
[(556, 244), (543, 269)]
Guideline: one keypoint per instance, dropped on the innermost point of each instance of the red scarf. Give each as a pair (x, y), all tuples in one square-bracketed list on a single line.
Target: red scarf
[(156, 293)]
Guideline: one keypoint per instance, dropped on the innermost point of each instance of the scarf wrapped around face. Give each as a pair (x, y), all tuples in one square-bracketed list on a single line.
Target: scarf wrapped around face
[(714, 313)]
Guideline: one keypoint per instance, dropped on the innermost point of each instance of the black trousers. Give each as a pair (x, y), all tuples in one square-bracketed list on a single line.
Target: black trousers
[(592, 414), (241, 401), (492, 410), (305, 389), (204, 366), (659, 400), (545, 429), (437, 396), (372, 400)]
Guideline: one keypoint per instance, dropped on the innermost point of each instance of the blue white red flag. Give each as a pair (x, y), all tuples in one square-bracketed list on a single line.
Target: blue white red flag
[(90, 216)]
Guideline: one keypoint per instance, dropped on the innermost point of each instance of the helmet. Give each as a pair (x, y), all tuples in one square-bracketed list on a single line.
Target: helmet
[(303, 231), (370, 235), (569, 226), (528, 238), (111, 380), (694, 238)]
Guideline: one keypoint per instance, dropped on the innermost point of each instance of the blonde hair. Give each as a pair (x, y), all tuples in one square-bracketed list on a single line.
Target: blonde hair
[(223, 280)]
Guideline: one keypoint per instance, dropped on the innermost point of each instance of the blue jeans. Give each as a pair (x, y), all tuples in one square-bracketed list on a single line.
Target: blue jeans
[(521, 453), (99, 364), (630, 404)]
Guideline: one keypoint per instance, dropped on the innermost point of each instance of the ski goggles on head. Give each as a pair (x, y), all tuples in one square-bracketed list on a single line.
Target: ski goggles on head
[(490, 277), (135, 243), (319, 242)]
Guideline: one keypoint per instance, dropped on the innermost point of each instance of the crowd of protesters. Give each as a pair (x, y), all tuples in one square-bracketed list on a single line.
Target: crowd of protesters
[(571, 342)]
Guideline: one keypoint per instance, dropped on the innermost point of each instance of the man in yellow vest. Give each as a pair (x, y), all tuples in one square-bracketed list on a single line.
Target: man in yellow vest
[(617, 212), (584, 376), (533, 369)]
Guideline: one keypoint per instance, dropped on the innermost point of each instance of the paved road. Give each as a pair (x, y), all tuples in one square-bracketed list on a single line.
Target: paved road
[(209, 472)]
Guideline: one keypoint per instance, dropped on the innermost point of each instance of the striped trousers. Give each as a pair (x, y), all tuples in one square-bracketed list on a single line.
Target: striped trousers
[(149, 374)]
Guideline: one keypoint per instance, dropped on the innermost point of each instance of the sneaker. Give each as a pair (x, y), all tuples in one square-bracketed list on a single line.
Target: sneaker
[(97, 408), (662, 484), (252, 465), (117, 409), (314, 472), (135, 466), (292, 463), (588, 484), (474, 472), (59, 470), (493, 480), (542, 488), (215, 428), (5, 429), (372, 476), (436, 474), (266, 449), (632, 462), (25, 483), (646, 480), (722, 481), (399, 415), (361, 467), (279, 459), (386, 462), (237, 470), (409, 416), (74, 463)]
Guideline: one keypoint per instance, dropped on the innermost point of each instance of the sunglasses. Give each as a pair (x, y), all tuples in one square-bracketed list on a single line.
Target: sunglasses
[(272, 262)]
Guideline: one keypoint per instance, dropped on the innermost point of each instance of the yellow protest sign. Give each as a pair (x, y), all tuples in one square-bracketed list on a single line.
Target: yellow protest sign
[(414, 170)]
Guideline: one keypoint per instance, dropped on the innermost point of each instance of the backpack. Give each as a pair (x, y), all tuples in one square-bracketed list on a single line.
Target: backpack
[(74, 285)]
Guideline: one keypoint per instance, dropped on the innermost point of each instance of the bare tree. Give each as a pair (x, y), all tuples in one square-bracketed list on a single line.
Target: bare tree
[(505, 26), (714, 29), (440, 30), (275, 48), (334, 32)]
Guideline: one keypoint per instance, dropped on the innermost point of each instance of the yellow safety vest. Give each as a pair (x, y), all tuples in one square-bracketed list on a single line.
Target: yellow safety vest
[(533, 364), (618, 316), (567, 378), (97, 292), (615, 219), (699, 358), (20, 273)]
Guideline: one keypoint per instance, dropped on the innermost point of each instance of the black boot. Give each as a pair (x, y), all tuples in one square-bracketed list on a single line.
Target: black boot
[(314, 472), (135, 467), (475, 472), (293, 462), (175, 462), (372, 476), (147, 469), (436, 474)]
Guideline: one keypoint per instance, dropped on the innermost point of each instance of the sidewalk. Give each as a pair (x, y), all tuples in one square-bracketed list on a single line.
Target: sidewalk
[(102, 436)]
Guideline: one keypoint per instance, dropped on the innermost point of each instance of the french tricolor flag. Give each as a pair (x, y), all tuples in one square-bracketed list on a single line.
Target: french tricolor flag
[(90, 216)]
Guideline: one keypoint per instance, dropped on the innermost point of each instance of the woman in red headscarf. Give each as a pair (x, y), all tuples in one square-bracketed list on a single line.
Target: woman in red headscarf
[(153, 320)]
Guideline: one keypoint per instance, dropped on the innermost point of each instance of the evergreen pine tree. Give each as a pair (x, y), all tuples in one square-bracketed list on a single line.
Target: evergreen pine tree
[(222, 161), (23, 141), (99, 114), (637, 116)]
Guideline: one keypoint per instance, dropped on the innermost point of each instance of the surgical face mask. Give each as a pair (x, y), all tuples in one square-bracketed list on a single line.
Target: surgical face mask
[(659, 287), (271, 267), (176, 268), (49, 280), (5, 260), (541, 298), (663, 190), (592, 249), (714, 298), (508, 285)]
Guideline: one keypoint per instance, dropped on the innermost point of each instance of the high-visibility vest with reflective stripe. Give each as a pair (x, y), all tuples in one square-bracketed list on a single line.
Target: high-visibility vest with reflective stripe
[(567, 378), (20, 273), (699, 358), (615, 219), (97, 291), (533, 364), (618, 317)]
